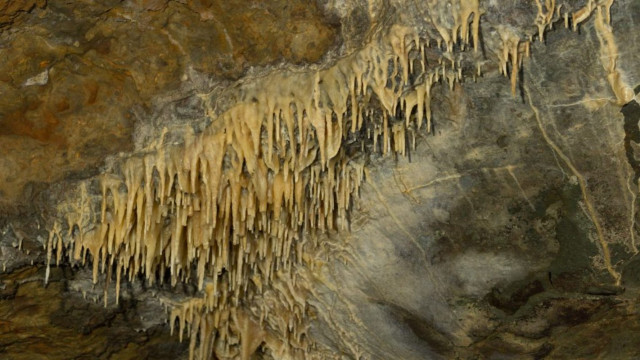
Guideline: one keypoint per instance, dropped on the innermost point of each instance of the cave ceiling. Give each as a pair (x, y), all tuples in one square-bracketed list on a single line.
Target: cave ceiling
[(380, 179)]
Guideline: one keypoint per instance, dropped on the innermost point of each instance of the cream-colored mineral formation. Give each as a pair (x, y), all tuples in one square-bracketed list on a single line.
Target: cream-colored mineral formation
[(235, 208)]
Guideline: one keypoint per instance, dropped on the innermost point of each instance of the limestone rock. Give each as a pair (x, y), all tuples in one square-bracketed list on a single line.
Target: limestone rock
[(329, 180)]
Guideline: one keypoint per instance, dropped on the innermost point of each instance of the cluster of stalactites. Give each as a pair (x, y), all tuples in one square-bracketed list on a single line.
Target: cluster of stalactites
[(234, 332), (270, 166), (228, 207), (466, 25), (515, 49), (199, 204)]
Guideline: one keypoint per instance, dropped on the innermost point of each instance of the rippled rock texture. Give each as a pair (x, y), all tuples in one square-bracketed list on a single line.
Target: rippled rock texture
[(508, 230)]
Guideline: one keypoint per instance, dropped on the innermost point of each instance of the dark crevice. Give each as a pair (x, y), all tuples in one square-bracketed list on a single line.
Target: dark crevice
[(631, 112)]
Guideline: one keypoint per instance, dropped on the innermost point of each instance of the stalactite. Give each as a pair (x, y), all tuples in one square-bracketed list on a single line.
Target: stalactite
[(545, 16)]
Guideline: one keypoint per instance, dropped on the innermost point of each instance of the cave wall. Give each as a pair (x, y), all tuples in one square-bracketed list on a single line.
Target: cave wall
[(509, 230)]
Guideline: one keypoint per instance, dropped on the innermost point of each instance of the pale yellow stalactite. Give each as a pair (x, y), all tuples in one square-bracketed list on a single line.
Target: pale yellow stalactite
[(468, 9), (544, 18), (582, 14), (54, 232), (511, 53)]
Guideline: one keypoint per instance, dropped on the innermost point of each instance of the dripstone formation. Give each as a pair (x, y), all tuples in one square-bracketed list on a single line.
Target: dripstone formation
[(350, 180)]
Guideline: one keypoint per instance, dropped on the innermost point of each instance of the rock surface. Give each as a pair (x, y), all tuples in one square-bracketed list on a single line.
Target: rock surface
[(508, 232)]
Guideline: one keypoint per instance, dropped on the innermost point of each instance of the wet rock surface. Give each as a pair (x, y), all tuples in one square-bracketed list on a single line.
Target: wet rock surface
[(485, 242)]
